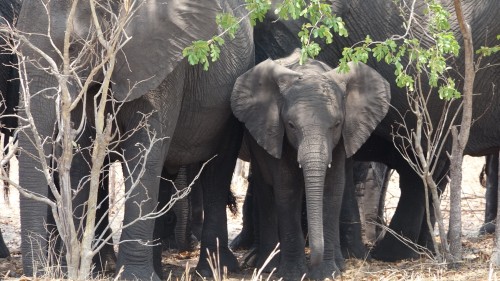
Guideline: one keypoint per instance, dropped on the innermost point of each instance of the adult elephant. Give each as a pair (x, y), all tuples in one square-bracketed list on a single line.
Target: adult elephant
[(9, 91), (275, 38), (187, 108), (302, 122)]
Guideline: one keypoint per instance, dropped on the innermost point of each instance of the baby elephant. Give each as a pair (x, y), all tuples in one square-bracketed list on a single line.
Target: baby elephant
[(326, 117)]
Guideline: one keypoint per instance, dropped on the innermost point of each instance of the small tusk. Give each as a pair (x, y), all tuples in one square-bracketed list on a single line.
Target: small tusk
[(300, 166), (330, 165)]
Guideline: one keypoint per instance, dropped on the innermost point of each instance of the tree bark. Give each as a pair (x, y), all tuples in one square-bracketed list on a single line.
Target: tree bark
[(455, 229), (495, 256)]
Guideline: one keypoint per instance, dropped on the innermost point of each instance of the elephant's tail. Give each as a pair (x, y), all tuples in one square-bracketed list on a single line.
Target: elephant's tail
[(6, 192), (6, 185)]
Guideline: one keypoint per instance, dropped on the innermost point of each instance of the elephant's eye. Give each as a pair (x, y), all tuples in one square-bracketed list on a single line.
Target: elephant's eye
[(336, 125), (291, 125)]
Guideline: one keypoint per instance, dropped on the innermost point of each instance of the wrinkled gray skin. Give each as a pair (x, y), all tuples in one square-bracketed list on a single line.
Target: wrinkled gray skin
[(177, 221), (276, 39), (189, 109), (302, 123), (491, 196), (371, 180), (9, 90), (359, 220), (9, 9)]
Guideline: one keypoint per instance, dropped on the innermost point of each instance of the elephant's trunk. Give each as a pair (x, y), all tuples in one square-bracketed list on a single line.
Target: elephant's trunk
[(314, 164)]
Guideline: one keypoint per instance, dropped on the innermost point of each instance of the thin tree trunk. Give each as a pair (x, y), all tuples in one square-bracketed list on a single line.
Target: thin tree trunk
[(495, 256), (455, 224), (455, 229)]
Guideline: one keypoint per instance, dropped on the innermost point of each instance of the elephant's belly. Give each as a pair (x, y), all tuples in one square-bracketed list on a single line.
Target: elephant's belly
[(205, 113), (197, 135)]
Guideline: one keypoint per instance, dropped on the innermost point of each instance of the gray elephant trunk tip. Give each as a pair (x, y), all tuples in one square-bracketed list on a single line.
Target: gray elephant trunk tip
[(317, 257)]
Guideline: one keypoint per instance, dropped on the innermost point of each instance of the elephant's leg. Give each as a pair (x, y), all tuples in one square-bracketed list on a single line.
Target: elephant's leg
[(245, 238), (4, 251), (194, 222), (196, 198), (163, 223), (381, 223), (375, 184), (351, 240), (266, 223), (34, 213), (216, 182), (491, 195), (105, 260), (426, 236), (407, 220), (288, 194), (135, 254), (182, 208)]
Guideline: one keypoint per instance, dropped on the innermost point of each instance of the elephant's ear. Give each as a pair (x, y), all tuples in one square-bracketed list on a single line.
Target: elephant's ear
[(256, 101), (158, 32), (368, 96)]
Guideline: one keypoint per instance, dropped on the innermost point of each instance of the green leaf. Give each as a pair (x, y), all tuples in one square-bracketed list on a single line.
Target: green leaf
[(228, 22), (448, 91), (197, 52), (258, 9)]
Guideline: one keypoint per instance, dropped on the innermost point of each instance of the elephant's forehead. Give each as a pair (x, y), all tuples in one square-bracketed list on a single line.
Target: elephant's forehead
[(312, 106), (311, 91)]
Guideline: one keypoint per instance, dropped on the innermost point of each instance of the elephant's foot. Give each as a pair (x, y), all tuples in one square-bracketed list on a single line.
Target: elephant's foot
[(328, 269), (4, 251), (250, 258), (138, 272), (253, 259), (292, 270), (351, 241), (190, 244), (226, 259), (196, 230), (391, 249), (339, 262), (243, 241), (105, 260), (487, 228), (356, 250)]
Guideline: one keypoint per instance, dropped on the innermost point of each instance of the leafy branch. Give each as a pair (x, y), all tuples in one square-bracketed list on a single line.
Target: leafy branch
[(488, 51), (321, 21), (420, 59), (318, 13)]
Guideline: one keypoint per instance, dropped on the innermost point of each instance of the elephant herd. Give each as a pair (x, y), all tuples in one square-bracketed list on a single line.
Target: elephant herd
[(303, 126)]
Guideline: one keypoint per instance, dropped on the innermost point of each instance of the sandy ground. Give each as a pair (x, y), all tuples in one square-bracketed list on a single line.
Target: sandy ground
[(477, 249)]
